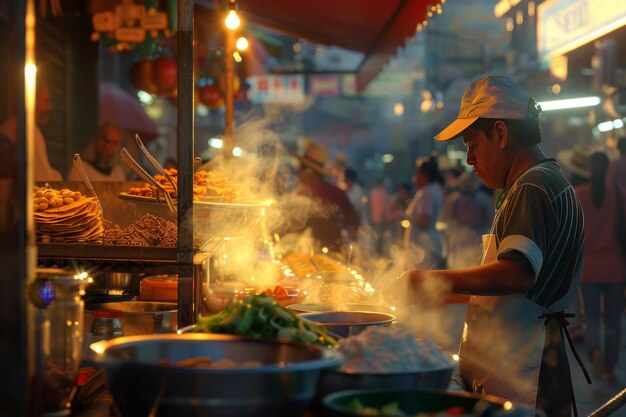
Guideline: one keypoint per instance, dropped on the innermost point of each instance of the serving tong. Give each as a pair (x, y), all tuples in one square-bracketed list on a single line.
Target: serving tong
[(78, 164), (155, 163), (134, 165)]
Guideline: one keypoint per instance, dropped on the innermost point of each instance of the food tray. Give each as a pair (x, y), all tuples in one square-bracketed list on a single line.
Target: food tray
[(210, 218)]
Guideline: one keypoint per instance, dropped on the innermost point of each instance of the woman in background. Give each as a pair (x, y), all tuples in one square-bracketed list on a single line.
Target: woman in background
[(603, 269), (423, 212)]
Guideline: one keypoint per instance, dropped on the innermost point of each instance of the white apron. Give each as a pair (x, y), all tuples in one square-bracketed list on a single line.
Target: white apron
[(502, 343)]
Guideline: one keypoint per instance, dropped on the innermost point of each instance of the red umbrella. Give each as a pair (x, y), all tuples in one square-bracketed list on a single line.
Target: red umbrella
[(119, 106)]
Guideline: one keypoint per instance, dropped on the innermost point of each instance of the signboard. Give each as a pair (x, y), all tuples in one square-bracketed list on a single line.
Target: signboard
[(324, 85), (564, 25), (348, 85), (286, 89)]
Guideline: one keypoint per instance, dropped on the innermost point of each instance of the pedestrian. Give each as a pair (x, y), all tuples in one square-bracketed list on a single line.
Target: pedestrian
[(101, 158), (327, 211), (396, 213), (423, 213), (575, 163), (512, 345), (605, 266), (43, 170), (379, 201), (467, 213), (355, 193), (617, 167)]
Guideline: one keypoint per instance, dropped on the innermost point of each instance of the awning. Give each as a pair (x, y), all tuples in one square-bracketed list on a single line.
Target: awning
[(376, 28)]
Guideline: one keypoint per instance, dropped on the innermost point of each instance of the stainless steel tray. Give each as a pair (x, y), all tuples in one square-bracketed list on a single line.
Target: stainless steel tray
[(101, 252), (213, 218)]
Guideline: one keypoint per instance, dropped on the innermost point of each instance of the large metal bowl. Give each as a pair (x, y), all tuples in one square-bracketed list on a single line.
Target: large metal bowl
[(139, 317), (318, 308), (283, 385), (334, 380), (348, 323), (111, 281), (413, 402)]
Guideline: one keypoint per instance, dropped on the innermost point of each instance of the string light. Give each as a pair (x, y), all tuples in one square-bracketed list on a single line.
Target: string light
[(232, 20), (242, 43)]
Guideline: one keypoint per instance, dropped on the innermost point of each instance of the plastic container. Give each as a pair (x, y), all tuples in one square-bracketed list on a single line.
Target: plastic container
[(159, 288), (106, 324)]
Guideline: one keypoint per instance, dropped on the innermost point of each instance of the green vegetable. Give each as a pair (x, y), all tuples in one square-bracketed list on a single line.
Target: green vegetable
[(260, 315)]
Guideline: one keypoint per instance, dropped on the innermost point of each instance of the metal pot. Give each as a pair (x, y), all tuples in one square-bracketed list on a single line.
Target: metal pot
[(282, 385), (111, 281), (140, 317), (348, 323)]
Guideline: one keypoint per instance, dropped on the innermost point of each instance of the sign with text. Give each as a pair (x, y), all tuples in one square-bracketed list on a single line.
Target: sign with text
[(564, 25), (286, 89), (324, 85)]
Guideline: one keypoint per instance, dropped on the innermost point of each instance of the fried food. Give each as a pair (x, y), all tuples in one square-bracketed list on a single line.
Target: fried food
[(207, 186)]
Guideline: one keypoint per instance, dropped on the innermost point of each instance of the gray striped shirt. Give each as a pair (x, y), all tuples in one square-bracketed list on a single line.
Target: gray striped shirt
[(541, 219)]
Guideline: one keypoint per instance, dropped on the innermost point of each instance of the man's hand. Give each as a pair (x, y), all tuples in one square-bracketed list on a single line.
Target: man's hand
[(419, 287)]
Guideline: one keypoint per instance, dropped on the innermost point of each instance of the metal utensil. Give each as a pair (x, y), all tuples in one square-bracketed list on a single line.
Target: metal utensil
[(197, 163), (155, 163), (78, 164), (134, 165)]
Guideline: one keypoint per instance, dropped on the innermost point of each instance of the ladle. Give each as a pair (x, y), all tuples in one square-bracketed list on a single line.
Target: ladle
[(78, 164), (132, 164)]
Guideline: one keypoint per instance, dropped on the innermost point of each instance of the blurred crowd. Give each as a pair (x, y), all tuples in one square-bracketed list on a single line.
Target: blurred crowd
[(435, 218)]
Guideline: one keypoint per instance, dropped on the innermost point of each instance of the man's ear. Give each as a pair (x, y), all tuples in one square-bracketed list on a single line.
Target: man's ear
[(502, 134)]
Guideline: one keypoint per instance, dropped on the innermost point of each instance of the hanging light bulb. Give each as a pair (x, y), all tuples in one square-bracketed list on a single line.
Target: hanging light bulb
[(242, 43), (232, 20)]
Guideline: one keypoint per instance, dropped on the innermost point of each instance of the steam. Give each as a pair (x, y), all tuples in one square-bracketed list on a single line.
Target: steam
[(238, 262)]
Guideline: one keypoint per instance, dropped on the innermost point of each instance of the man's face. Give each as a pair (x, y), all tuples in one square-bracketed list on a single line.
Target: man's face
[(43, 105), (486, 156), (109, 142)]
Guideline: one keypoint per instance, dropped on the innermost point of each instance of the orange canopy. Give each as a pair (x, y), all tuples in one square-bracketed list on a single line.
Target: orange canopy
[(376, 27)]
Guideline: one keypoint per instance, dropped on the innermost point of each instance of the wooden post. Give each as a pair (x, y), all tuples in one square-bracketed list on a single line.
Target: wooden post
[(17, 240), (185, 121)]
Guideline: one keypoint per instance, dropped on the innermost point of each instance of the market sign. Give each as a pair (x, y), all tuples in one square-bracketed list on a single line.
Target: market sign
[(324, 85), (564, 25), (284, 89)]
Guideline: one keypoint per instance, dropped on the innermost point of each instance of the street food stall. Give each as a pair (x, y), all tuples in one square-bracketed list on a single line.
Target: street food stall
[(246, 335)]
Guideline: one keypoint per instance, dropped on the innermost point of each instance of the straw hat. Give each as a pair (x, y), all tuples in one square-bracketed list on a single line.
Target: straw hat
[(576, 160), (315, 157)]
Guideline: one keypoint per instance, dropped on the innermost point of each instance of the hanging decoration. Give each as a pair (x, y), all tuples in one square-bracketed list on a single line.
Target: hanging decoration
[(131, 26)]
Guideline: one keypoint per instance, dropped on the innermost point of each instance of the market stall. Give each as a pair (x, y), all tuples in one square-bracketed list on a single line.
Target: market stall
[(280, 332)]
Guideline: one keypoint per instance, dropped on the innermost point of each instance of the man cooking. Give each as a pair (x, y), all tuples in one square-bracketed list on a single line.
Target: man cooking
[(512, 344)]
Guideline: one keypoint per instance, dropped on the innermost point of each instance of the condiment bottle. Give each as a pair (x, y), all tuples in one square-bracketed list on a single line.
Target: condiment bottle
[(106, 325)]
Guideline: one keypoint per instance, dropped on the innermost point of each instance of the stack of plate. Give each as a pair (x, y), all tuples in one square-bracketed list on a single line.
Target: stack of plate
[(80, 221)]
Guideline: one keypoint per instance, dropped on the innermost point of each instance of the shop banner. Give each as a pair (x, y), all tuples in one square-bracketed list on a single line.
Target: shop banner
[(284, 89), (324, 85), (348, 85), (564, 25)]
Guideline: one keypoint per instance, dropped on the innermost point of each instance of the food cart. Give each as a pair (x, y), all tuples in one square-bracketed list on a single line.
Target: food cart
[(187, 259)]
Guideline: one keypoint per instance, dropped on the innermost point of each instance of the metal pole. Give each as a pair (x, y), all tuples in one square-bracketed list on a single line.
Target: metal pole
[(185, 122), (229, 93), (17, 248)]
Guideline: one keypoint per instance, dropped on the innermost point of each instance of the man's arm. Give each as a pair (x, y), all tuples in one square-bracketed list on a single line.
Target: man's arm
[(501, 277)]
